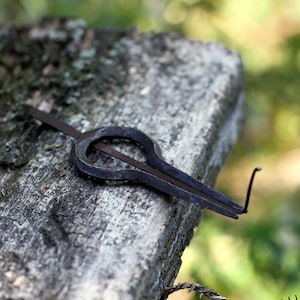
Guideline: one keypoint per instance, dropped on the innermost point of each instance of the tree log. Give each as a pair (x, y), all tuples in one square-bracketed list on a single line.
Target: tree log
[(64, 236)]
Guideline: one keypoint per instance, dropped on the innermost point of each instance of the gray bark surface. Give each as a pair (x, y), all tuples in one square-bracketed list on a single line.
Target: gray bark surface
[(64, 236)]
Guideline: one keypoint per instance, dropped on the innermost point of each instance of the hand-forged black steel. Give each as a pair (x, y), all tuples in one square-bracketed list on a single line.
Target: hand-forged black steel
[(155, 172)]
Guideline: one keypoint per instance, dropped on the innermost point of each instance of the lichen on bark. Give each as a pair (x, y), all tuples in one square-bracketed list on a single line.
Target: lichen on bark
[(55, 62)]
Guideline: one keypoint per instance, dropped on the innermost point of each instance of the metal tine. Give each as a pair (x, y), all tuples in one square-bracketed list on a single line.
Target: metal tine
[(179, 190), (181, 185), (195, 186), (55, 123)]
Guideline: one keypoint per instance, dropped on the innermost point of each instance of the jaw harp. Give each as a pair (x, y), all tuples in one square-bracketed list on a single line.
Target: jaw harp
[(155, 172)]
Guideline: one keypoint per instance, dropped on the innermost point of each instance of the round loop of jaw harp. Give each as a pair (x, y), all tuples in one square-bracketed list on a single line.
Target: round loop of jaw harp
[(79, 153)]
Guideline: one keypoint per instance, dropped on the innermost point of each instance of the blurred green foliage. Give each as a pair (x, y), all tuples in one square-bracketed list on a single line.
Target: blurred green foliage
[(258, 257)]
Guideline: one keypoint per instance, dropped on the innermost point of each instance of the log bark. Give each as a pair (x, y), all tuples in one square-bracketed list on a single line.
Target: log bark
[(64, 236)]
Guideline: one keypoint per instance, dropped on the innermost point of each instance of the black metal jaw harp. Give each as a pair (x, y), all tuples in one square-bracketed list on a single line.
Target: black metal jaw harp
[(155, 172)]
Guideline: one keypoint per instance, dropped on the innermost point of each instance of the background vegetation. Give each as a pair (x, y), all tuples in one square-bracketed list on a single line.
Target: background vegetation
[(257, 257)]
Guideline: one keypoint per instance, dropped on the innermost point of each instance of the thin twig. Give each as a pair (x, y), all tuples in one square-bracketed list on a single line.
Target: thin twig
[(199, 289)]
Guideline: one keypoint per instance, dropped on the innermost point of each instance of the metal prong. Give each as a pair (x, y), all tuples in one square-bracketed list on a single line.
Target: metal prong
[(245, 210)]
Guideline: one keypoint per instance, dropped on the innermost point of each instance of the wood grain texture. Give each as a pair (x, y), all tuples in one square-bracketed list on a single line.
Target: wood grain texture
[(64, 236)]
